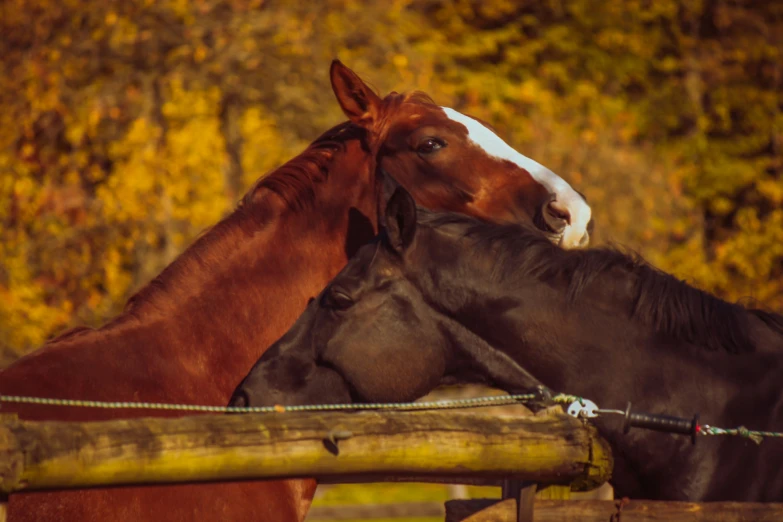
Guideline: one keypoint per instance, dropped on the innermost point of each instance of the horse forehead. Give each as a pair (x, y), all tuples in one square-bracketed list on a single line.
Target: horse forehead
[(492, 144), (410, 115)]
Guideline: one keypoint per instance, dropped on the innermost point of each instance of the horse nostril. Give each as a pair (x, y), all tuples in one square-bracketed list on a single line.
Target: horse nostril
[(555, 217), (239, 400), (558, 211)]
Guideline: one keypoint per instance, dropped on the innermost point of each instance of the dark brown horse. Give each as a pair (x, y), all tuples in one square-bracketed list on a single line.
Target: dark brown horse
[(443, 296), (190, 335)]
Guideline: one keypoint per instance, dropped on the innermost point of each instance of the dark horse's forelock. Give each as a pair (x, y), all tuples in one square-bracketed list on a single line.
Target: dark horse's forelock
[(667, 304)]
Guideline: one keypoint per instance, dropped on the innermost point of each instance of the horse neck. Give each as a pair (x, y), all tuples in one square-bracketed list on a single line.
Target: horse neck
[(264, 275), (595, 348), (589, 345), (200, 325)]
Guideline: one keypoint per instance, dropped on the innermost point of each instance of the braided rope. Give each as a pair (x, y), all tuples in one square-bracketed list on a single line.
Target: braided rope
[(741, 431), (474, 402), (496, 400)]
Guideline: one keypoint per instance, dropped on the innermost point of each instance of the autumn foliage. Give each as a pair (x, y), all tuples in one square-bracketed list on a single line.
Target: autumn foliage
[(126, 128)]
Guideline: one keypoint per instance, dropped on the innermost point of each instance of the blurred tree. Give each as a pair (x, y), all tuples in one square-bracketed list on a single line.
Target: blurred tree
[(128, 127)]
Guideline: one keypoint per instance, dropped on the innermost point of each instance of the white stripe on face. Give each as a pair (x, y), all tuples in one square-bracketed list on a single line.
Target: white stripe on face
[(494, 146)]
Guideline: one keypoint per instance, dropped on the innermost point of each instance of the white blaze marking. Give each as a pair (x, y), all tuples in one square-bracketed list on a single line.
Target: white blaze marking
[(493, 145)]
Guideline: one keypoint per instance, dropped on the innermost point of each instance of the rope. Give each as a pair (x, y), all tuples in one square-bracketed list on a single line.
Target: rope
[(475, 402), (496, 400), (741, 431)]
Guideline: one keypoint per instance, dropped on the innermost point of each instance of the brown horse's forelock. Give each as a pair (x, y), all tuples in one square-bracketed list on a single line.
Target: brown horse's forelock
[(667, 304), (418, 97)]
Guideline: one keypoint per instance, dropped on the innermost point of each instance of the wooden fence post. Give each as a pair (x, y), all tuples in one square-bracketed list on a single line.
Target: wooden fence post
[(3, 497), (524, 493)]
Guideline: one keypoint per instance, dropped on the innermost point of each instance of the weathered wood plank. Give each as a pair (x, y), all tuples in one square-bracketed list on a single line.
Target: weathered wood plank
[(524, 493), (490, 510), (548, 449)]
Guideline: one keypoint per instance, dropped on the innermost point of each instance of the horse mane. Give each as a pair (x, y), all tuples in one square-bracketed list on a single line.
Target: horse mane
[(417, 97), (670, 306), (294, 182), (69, 334)]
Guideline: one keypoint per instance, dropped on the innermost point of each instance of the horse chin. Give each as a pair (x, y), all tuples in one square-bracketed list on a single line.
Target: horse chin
[(570, 240), (557, 239)]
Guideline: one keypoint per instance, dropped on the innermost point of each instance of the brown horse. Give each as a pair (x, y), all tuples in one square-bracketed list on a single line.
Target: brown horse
[(192, 333)]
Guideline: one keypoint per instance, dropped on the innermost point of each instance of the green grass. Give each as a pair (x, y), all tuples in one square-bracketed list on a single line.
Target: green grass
[(390, 493)]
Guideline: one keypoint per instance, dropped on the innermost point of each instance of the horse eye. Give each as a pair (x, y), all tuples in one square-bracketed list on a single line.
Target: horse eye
[(337, 300), (430, 145)]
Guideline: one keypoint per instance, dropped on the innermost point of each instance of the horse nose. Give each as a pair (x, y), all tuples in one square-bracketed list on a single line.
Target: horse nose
[(240, 399), (557, 216), (559, 211)]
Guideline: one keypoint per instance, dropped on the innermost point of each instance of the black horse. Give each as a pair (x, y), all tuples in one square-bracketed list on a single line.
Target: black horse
[(440, 297)]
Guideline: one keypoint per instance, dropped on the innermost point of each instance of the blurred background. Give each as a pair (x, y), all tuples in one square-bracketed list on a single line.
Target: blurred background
[(126, 128)]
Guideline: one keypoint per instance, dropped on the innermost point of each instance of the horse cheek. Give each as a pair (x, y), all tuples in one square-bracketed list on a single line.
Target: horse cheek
[(396, 367)]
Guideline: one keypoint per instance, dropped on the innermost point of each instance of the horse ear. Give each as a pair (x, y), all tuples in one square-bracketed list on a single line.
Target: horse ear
[(358, 101), (386, 185), (400, 220)]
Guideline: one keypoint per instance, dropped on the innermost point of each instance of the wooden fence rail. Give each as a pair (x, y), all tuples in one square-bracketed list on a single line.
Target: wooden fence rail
[(345, 447), (457, 447), (485, 510)]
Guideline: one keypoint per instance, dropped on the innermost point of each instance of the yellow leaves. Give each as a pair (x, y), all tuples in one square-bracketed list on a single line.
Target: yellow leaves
[(772, 189), (611, 38), (23, 186), (530, 91), (25, 315), (669, 64), (263, 147), (94, 116), (721, 205), (653, 125), (28, 149), (400, 60), (199, 53), (586, 90), (116, 279), (497, 8), (589, 136)]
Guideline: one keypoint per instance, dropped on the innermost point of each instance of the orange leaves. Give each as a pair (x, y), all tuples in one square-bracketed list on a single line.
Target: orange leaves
[(116, 110)]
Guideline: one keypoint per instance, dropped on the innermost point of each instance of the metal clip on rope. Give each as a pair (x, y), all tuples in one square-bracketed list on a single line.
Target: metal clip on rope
[(583, 408), (665, 423)]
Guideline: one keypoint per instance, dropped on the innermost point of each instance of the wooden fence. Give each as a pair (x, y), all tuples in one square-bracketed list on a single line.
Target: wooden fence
[(360, 447), (518, 452)]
